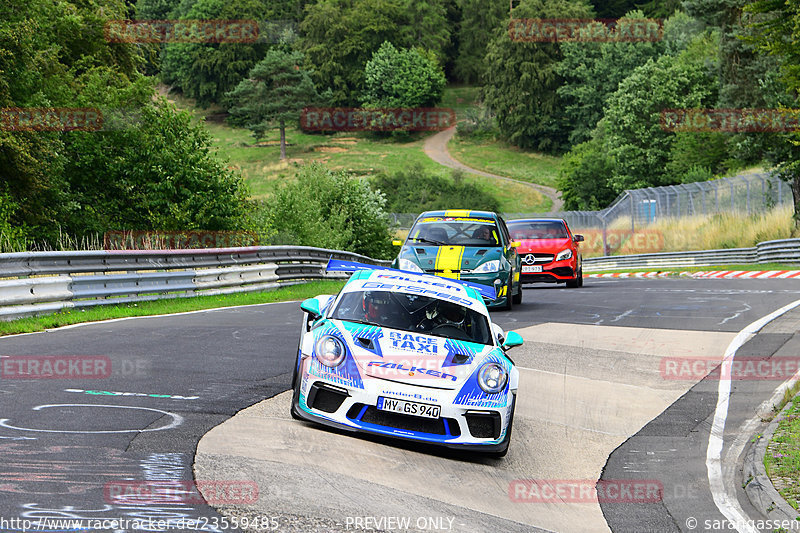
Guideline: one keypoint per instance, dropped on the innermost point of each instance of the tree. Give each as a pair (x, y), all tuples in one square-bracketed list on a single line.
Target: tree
[(206, 71), (340, 36), (428, 26), (635, 139), (592, 72), (331, 210), (521, 80), (275, 92), (584, 175), (777, 32), (480, 19), (402, 78)]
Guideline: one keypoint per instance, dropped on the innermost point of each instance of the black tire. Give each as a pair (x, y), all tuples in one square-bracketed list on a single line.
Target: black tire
[(295, 391), (499, 454), (509, 298), (518, 296), (580, 278), (577, 282)]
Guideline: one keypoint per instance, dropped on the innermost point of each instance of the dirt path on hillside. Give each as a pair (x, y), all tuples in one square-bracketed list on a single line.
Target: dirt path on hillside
[(436, 148)]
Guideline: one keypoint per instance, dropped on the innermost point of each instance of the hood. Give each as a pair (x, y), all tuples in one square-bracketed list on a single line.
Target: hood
[(411, 357), (542, 245), (450, 257)]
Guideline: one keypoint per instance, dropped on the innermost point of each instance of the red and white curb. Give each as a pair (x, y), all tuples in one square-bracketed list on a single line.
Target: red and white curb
[(714, 274)]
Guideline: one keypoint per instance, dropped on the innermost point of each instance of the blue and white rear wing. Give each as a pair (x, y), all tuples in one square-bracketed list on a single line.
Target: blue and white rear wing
[(339, 265)]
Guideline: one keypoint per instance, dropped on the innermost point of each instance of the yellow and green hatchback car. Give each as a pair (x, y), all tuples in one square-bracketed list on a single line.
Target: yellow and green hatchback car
[(461, 244)]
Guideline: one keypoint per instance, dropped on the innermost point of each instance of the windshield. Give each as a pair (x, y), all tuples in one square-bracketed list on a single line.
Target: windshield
[(412, 312), (441, 231), (537, 230)]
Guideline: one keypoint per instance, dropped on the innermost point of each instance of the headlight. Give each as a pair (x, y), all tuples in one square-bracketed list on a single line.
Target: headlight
[(410, 266), (330, 351), (488, 266), (492, 378), (564, 255)]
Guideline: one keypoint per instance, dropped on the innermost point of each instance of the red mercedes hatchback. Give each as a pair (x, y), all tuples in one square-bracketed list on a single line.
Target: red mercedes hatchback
[(549, 251)]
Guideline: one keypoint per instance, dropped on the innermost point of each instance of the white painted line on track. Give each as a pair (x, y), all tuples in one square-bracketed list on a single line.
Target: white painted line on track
[(726, 501)]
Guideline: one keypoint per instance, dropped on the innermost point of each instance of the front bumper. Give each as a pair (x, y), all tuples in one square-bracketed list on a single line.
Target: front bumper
[(553, 272), (353, 410), (489, 279)]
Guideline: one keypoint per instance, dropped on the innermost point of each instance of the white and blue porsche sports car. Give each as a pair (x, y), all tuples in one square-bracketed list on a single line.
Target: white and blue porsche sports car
[(407, 355)]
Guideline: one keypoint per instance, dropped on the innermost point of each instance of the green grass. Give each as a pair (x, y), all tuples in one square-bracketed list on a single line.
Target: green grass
[(460, 99), (755, 267), (163, 307), (782, 460), (498, 157)]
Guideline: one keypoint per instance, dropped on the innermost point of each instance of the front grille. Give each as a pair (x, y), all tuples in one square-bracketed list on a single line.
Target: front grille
[(540, 259), (537, 277), (484, 425), (562, 271), (371, 415), (325, 399), (439, 271)]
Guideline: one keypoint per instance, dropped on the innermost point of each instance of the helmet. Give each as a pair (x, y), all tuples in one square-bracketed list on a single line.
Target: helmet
[(374, 304), (448, 313)]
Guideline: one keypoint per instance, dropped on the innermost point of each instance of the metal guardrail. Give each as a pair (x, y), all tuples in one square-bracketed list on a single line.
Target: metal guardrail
[(779, 251), (45, 282)]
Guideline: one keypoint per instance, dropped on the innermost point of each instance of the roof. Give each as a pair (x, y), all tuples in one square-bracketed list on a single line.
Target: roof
[(459, 213), (509, 222), (409, 282)]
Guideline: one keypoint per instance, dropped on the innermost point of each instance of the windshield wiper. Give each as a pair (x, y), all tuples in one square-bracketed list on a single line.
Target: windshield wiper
[(429, 241)]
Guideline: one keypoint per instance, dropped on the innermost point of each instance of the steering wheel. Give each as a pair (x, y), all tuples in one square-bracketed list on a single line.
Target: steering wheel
[(451, 331)]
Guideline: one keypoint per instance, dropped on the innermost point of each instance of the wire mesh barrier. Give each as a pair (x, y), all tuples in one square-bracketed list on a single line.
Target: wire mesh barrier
[(35, 283), (745, 193)]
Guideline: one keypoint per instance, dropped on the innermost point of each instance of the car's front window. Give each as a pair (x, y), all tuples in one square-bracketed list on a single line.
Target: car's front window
[(416, 313), (441, 231), (537, 230)]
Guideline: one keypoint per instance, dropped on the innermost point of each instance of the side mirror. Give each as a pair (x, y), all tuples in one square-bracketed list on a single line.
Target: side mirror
[(577, 238), (514, 244), (512, 339), (311, 306), (397, 243)]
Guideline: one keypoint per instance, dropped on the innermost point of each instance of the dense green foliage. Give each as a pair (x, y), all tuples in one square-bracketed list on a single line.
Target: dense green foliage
[(330, 210), (522, 79), (147, 168), (414, 191), (402, 78)]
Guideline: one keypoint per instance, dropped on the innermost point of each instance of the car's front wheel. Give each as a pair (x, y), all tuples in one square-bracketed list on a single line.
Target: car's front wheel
[(518, 296), (577, 282), (295, 391), (509, 297)]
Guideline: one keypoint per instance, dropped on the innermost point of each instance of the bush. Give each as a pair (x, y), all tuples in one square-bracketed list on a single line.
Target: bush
[(414, 191), (479, 124), (330, 210), (403, 78)]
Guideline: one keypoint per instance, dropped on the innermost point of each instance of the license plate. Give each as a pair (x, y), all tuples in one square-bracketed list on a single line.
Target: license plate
[(408, 408), (531, 268)]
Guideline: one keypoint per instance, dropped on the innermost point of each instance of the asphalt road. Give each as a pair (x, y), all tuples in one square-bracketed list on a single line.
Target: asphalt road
[(67, 444)]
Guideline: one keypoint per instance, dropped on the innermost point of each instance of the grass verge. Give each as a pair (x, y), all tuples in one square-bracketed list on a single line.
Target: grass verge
[(164, 307), (498, 157), (782, 460)]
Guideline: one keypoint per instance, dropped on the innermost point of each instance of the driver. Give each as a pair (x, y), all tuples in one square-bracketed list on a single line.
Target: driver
[(444, 314), (379, 309), (483, 233)]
